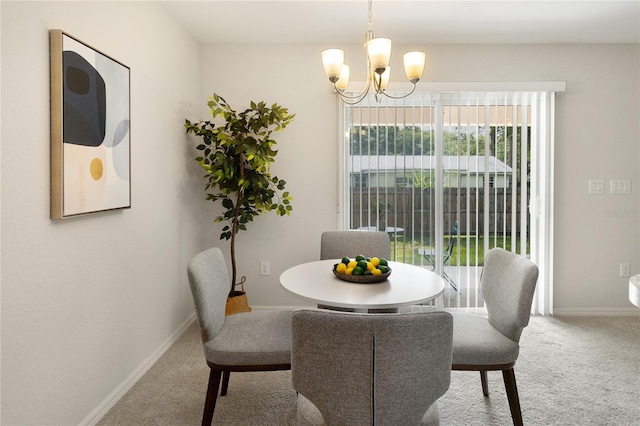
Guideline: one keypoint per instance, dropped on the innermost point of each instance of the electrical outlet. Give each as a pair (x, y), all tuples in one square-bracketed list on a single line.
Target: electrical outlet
[(624, 270), (264, 267)]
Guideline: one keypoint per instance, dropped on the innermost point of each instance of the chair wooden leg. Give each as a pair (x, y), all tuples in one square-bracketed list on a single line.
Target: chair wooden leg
[(485, 384), (225, 382), (212, 396), (509, 377)]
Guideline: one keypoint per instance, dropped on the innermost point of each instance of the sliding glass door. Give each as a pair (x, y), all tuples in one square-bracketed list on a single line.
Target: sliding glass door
[(450, 175)]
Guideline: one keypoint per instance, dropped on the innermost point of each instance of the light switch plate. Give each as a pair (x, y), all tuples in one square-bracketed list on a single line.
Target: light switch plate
[(620, 186), (596, 186)]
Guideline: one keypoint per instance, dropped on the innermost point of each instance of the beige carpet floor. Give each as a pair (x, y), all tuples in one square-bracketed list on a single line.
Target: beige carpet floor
[(571, 371)]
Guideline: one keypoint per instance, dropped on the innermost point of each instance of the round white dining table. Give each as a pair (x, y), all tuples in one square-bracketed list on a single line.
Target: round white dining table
[(407, 285), (634, 290)]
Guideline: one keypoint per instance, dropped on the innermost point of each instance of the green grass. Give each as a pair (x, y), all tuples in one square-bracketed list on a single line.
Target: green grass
[(467, 248)]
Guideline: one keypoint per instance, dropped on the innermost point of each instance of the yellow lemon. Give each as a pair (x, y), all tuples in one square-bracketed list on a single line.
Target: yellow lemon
[(352, 264), (375, 261), (370, 266), (349, 271), (376, 272), (341, 268)]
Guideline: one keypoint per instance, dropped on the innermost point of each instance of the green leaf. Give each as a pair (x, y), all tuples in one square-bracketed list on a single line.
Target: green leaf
[(227, 203)]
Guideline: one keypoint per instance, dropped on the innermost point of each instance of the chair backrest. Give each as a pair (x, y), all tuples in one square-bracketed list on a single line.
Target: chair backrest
[(507, 285), (210, 284), (385, 369), (338, 244)]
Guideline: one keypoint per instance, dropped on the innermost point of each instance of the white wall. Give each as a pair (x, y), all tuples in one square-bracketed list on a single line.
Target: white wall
[(597, 138), (86, 301), (290, 75)]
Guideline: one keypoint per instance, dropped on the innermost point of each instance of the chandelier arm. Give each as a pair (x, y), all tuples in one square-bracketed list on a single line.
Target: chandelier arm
[(361, 95), (377, 82), (401, 96), (348, 100)]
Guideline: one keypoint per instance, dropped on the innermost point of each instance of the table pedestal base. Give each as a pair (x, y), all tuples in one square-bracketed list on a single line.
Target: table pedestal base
[(361, 311)]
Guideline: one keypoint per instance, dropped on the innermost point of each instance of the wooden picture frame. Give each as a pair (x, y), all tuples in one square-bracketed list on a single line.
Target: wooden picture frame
[(90, 129)]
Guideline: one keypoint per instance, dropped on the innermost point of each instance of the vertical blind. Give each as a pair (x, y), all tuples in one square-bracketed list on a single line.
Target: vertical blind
[(478, 162)]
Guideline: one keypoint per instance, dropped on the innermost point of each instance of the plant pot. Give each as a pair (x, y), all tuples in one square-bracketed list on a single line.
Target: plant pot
[(237, 301)]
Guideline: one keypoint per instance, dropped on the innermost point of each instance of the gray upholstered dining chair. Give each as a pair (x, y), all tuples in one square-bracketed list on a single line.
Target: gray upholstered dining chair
[(338, 244), (250, 341), (491, 343), (362, 369)]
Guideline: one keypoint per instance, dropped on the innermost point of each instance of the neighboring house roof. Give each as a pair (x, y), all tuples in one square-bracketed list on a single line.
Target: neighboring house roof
[(454, 163)]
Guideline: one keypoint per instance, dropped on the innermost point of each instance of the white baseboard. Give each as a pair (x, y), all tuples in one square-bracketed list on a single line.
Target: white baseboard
[(278, 308), (104, 407), (596, 312)]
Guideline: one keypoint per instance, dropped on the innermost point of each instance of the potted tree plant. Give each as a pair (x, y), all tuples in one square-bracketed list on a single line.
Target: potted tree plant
[(236, 156)]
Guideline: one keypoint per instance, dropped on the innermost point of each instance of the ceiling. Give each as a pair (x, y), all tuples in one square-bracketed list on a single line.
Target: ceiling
[(419, 22)]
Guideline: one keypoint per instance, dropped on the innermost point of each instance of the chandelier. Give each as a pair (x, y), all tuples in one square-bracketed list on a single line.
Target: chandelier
[(378, 70)]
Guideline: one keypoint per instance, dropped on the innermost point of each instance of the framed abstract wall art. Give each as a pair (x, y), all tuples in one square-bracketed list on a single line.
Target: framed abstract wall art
[(90, 129)]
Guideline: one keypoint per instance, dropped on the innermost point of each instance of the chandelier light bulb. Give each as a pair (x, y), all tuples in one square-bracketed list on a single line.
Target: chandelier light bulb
[(343, 80), (333, 60), (414, 65), (384, 82), (379, 51)]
